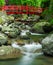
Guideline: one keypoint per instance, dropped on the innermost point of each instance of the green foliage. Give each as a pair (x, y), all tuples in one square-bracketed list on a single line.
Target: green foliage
[(51, 21), (36, 3), (44, 3), (48, 14), (14, 2), (2, 2), (28, 2)]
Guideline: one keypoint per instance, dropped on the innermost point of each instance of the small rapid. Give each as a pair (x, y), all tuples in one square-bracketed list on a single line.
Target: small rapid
[(29, 48), (32, 47)]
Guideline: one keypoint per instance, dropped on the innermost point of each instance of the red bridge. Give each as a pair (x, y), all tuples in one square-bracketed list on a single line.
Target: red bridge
[(13, 9)]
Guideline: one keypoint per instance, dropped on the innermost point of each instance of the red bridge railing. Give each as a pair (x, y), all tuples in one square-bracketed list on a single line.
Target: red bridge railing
[(13, 9)]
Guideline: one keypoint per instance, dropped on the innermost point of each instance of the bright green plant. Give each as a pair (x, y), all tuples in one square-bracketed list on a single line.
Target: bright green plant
[(2, 2), (36, 3), (28, 2), (40, 2)]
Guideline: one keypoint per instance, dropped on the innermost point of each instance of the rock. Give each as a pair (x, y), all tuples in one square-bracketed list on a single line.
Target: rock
[(16, 24), (10, 17), (5, 18), (33, 18), (48, 28), (36, 18), (11, 32), (8, 52), (24, 17), (3, 39), (19, 25), (23, 26), (41, 27), (20, 42), (47, 45), (28, 27)]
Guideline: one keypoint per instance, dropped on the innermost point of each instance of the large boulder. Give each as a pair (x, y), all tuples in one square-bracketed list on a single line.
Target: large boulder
[(42, 27), (47, 45), (8, 52)]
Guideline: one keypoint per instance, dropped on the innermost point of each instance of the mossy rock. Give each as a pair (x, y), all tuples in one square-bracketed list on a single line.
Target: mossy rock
[(8, 52), (11, 32), (42, 27)]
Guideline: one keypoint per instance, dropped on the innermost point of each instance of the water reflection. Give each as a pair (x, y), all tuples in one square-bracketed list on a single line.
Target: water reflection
[(30, 59)]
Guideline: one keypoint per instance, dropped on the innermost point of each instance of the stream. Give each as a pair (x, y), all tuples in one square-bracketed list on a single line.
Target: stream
[(29, 57), (32, 55)]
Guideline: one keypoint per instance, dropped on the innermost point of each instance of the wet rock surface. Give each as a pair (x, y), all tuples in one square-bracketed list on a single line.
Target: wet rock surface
[(47, 45)]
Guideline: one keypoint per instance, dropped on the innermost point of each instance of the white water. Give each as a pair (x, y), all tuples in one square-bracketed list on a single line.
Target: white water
[(24, 32), (31, 48), (28, 48), (36, 34), (16, 46)]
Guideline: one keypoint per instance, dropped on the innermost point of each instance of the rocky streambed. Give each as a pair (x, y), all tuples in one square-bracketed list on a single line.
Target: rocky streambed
[(25, 44)]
